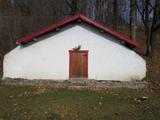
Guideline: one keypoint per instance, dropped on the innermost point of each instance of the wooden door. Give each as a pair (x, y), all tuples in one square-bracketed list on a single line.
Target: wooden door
[(78, 64)]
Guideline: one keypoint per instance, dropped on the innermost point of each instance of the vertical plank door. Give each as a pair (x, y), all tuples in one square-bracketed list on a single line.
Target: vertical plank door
[(78, 64)]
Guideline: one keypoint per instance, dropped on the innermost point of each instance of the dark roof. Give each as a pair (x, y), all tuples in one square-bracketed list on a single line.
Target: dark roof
[(72, 19)]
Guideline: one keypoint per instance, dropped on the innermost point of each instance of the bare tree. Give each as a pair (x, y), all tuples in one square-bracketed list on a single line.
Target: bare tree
[(150, 14), (115, 14), (73, 7), (133, 19)]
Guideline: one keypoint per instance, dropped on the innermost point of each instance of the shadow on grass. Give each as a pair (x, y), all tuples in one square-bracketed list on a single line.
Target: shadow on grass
[(54, 116)]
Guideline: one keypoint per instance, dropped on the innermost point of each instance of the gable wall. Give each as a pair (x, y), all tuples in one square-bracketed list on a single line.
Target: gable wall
[(49, 58)]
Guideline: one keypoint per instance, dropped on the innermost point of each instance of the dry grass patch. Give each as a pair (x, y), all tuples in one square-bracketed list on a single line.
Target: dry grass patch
[(30, 103)]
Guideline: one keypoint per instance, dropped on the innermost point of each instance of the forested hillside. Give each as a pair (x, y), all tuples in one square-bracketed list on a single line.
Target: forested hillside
[(19, 18)]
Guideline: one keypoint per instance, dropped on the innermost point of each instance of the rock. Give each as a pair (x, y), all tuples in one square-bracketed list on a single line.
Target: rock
[(11, 96), (143, 98)]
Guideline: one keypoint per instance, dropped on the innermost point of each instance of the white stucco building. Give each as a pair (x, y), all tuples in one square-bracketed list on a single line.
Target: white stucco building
[(48, 54)]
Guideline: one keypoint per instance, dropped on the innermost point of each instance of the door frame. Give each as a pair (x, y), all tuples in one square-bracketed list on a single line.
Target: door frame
[(79, 51)]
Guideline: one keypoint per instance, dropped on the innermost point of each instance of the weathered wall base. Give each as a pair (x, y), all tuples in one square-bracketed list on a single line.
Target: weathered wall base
[(76, 84)]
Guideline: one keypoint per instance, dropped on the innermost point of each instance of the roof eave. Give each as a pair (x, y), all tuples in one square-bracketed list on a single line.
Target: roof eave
[(71, 19)]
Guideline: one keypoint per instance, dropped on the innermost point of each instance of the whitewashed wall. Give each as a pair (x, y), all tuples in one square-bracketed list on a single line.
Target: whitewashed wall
[(49, 59)]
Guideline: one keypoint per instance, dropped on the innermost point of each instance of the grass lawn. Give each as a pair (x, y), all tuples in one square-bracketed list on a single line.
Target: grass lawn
[(31, 103)]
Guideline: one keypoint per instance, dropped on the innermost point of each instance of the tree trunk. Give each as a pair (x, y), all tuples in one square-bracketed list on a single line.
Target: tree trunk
[(149, 43), (148, 29), (73, 6), (154, 43), (115, 14), (133, 20)]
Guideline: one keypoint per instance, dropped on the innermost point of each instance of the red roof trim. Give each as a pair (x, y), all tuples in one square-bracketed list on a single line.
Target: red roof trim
[(85, 19)]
